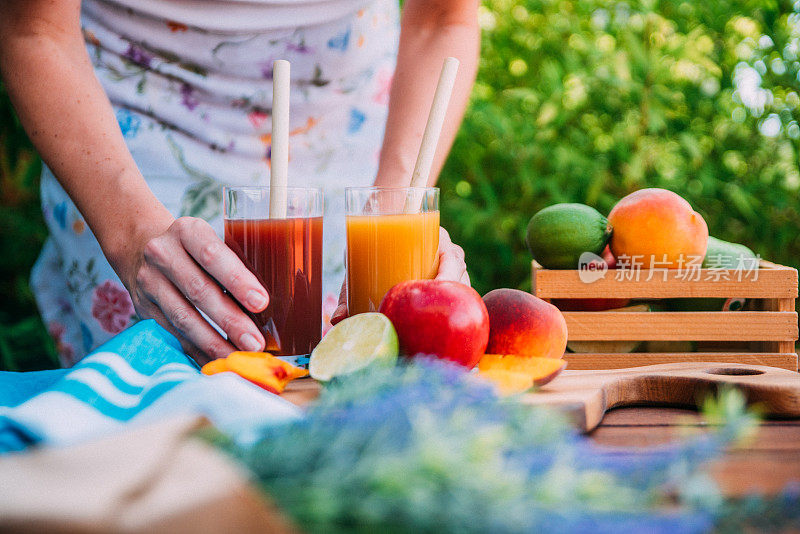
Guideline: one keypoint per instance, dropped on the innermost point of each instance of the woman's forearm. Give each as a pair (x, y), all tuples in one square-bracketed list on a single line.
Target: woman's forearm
[(62, 106), (431, 31)]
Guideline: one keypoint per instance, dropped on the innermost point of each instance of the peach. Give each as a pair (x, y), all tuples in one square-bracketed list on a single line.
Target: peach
[(522, 324), (657, 228)]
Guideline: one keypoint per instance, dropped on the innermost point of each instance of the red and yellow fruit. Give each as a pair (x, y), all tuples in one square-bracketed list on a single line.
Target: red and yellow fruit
[(511, 373), (657, 228), (261, 368), (522, 324), (438, 318)]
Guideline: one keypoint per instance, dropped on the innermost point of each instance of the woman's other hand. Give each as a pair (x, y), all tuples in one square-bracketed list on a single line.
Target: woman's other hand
[(185, 269), (451, 260), (451, 267)]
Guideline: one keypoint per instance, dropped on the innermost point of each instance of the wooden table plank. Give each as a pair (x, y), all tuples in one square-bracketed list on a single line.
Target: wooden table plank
[(663, 415), (765, 464), (742, 473), (768, 438)]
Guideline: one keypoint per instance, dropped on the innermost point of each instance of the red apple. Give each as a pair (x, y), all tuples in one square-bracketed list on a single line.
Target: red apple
[(589, 304), (522, 324), (438, 318), (593, 304), (609, 258)]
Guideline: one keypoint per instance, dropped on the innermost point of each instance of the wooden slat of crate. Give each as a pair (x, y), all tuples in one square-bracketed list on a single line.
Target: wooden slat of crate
[(679, 326), (780, 305), (770, 281), (636, 359)]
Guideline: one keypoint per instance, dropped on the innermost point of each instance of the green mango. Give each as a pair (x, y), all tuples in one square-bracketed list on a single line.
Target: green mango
[(559, 234), (724, 255), (719, 255)]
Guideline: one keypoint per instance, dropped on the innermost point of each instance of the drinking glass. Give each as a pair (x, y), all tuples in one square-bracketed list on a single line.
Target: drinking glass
[(392, 236), (285, 254)]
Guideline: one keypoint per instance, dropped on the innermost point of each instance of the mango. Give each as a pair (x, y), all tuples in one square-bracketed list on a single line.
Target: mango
[(261, 368), (213, 367), (726, 255), (657, 228), (511, 373), (719, 255)]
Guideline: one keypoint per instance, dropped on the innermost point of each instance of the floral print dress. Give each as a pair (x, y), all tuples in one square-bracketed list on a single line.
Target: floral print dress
[(191, 89)]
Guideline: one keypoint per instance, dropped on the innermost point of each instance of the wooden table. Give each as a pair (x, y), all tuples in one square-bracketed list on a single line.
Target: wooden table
[(765, 464)]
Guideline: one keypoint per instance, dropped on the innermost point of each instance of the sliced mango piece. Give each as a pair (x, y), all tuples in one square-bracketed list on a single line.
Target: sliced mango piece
[(538, 371), (508, 382), (213, 367), (264, 369)]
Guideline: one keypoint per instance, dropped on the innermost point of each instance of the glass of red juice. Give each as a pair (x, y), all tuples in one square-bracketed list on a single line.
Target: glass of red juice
[(285, 254)]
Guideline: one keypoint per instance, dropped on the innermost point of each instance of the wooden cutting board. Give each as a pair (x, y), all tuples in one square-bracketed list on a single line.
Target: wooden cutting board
[(586, 395)]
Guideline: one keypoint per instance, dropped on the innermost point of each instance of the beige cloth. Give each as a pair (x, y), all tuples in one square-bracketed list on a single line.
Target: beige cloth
[(159, 478)]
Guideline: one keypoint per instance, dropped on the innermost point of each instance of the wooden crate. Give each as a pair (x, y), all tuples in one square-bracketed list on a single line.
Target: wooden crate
[(764, 334)]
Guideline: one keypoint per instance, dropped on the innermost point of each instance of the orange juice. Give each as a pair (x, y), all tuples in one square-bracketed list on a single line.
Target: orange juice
[(384, 250)]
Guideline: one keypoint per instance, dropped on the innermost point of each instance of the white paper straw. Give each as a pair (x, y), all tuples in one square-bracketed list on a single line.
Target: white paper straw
[(279, 173)]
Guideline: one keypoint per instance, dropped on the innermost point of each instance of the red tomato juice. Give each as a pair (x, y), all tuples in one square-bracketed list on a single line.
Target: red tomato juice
[(286, 257)]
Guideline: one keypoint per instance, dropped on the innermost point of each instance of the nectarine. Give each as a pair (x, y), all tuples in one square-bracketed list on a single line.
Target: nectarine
[(522, 324)]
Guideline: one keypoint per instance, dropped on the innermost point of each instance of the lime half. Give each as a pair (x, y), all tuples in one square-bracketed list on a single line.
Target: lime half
[(353, 344)]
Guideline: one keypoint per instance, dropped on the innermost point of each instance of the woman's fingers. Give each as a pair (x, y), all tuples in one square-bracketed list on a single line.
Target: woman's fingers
[(181, 316), (451, 259), (189, 348), (201, 242), (341, 309), (196, 288)]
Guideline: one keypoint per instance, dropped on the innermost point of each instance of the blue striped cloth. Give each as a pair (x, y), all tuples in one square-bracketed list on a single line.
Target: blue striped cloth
[(139, 376)]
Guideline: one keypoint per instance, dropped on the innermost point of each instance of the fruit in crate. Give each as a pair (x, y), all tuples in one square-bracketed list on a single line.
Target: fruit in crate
[(589, 304), (584, 347), (557, 235), (719, 255), (593, 304), (657, 228), (358, 341), (438, 318), (522, 324), (514, 374), (725, 255), (704, 304)]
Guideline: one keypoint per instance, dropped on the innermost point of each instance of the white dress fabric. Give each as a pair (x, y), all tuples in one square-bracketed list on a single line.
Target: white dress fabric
[(190, 82)]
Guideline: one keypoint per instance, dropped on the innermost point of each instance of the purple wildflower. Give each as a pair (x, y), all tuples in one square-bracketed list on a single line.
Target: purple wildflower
[(138, 55), (299, 47), (188, 98)]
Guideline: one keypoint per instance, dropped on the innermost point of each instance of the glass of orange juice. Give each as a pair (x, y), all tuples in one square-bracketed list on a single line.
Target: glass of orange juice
[(392, 236)]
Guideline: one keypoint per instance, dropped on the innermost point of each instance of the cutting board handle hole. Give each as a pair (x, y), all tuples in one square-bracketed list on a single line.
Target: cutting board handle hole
[(734, 371)]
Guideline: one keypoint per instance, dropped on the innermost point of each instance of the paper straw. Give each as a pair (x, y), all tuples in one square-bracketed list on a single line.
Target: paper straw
[(430, 139), (279, 173)]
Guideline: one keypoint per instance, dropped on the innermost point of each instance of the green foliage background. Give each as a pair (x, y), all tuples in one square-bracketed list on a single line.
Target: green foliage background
[(576, 101), (588, 100)]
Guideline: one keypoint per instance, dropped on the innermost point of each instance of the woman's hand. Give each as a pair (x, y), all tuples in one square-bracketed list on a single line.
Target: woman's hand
[(451, 260), (451, 267), (169, 266), (185, 269)]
